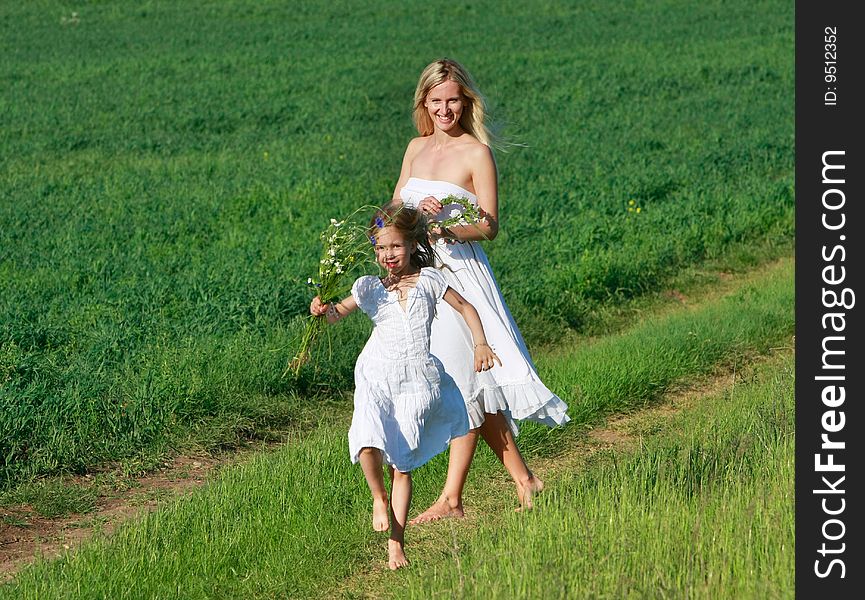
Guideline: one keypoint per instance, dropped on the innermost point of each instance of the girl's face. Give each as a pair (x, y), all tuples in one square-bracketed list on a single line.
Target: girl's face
[(393, 251), (445, 104)]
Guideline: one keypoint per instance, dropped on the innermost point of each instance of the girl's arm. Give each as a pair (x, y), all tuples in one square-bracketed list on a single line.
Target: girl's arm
[(485, 358), (334, 311), (485, 182)]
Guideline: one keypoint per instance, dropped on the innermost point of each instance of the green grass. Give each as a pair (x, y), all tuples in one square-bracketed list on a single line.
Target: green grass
[(165, 169), (628, 370), (297, 522), (54, 498), (704, 509), (269, 528)]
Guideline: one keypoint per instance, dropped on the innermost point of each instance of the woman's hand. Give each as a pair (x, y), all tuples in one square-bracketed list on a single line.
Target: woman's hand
[(430, 206), (485, 358), (317, 307), (435, 234)]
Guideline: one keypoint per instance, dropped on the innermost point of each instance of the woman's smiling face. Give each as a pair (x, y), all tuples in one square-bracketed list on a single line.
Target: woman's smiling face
[(393, 251), (445, 103)]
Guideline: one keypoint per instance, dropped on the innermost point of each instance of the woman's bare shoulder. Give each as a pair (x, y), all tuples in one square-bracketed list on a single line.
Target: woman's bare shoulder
[(415, 144), (477, 151)]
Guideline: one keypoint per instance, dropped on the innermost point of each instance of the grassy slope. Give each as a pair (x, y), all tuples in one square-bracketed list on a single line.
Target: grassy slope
[(703, 509), (296, 521), (165, 170)]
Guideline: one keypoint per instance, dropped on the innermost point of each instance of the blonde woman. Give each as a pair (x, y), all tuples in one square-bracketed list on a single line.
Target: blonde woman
[(452, 156)]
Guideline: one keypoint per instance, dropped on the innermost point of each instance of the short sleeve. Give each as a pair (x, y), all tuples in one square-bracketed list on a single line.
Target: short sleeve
[(437, 282), (363, 292)]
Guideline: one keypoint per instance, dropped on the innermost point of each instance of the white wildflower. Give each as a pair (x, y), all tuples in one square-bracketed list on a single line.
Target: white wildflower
[(455, 213)]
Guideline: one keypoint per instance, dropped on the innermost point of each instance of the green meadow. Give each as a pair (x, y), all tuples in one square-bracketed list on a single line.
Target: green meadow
[(165, 168), (702, 508)]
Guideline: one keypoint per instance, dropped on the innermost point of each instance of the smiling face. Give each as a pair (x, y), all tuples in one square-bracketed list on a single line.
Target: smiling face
[(393, 251), (445, 103)]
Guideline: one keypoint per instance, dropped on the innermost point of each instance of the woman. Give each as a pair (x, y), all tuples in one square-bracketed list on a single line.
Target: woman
[(452, 156)]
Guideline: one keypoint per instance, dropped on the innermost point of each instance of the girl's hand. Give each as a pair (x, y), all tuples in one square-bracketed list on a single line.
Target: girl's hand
[(485, 358), (317, 307), (430, 206)]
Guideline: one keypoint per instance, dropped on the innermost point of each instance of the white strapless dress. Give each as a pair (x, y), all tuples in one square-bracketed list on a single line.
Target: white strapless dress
[(513, 388)]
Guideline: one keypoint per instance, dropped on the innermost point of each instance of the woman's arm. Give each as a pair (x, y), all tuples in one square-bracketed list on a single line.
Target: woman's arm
[(485, 182), (411, 151), (485, 358), (334, 311)]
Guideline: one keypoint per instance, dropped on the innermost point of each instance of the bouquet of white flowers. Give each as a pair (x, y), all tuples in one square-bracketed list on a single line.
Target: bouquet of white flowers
[(345, 249)]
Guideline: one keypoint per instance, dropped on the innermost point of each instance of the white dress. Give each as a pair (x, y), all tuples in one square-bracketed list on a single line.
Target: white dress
[(513, 388), (404, 404)]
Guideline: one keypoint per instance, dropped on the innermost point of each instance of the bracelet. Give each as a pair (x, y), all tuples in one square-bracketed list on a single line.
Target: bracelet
[(482, 344), (332, 312)]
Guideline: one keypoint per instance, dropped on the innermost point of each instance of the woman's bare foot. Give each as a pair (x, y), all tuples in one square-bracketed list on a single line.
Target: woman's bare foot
[(527, 489), (396, 555), (440, 509), (380, 510)]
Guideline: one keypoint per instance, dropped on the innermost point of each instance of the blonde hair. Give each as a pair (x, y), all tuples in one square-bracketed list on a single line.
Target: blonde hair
[(475, 111)]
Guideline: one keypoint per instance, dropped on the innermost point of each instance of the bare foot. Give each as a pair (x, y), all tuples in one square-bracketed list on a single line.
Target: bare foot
[(380, 520), (526, 490), (396, 555), (440, 509)]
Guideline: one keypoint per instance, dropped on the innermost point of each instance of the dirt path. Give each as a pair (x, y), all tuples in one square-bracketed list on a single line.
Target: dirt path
[(25, 535)]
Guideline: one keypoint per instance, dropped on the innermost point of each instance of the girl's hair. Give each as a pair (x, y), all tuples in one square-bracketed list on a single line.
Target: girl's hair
[(409, 222), (475, 110)]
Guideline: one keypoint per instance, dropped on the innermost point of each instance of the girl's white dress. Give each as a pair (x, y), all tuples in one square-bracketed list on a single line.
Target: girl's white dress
[(513, 388), (404, 404)]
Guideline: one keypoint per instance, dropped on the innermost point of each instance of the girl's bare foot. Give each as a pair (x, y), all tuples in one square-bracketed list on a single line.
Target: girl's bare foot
[(396, 555), (440, 509), (380, 514), (527, 489)]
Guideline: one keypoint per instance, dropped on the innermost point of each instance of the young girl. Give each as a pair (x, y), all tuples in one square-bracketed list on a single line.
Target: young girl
[(406, 409), (452, 155)]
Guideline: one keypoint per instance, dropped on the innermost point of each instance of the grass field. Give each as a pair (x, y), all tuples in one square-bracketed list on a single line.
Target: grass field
[(716, 485), (166, 168), (704, 509)]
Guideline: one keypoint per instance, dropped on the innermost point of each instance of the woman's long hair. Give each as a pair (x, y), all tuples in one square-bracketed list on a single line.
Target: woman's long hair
[(473, 119)]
